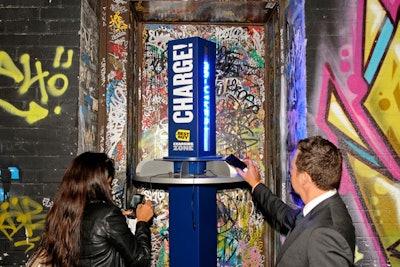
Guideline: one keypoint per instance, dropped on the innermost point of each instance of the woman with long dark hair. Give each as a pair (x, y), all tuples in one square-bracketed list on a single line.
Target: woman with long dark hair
[(85, 228)]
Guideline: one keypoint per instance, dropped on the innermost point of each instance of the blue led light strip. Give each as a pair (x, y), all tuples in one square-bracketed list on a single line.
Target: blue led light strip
[(206, 106)]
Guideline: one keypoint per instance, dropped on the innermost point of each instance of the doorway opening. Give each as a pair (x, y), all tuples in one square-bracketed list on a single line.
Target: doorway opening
[(247, 37)]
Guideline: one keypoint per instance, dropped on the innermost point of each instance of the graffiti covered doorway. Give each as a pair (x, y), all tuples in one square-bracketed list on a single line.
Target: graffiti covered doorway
[(245, 76)]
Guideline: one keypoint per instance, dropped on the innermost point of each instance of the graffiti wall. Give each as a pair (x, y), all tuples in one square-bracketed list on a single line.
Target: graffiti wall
[(30, 144), (240, 91), (39, 89), (114, 65), (47, 84), (88, 80), (353, 78), (295, 109)]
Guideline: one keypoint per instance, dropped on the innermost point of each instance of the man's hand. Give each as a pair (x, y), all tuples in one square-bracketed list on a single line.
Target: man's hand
[(252, 175)]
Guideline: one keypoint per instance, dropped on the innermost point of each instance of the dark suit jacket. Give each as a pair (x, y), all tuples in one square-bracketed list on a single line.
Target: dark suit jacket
[(324, 237)]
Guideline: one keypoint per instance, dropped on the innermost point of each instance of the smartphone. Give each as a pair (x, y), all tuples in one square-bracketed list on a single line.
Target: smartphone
[(136, 199), (235, 162)]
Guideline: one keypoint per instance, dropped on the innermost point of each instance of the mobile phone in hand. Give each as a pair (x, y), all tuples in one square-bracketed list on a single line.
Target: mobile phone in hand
[(136, 199), (235, 162)]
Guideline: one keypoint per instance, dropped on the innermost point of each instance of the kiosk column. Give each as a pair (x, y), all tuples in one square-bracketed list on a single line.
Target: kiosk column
[(191, 118)]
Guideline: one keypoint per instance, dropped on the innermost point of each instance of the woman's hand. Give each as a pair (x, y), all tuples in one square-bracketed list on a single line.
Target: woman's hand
[(126, 212), (144, 212)]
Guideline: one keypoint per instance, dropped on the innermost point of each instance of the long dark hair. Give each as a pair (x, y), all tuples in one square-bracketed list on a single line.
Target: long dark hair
[(85, 180)]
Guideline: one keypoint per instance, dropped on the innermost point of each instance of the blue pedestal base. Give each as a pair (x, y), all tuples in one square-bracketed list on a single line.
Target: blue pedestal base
[(193, 226)]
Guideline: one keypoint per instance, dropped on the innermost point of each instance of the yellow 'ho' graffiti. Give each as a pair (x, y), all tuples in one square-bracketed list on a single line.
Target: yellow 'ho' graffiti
[(55, 85), (21, 215)]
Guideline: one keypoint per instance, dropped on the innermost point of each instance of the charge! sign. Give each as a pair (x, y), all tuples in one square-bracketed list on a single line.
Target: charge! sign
[(182, 94), (191, 97)]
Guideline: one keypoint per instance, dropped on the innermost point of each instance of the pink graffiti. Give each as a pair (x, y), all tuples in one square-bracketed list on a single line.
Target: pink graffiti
[(392, 7), (350, 94), (252, 257)]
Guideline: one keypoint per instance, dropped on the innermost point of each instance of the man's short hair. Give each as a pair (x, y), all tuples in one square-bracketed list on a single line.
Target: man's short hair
[(322, 160)]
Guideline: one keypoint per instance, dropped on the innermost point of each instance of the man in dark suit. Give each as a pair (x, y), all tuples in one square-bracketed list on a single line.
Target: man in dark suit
[(322, 233)]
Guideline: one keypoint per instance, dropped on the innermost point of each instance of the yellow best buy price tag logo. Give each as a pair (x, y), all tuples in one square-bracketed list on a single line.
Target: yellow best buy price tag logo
[(182, 135)]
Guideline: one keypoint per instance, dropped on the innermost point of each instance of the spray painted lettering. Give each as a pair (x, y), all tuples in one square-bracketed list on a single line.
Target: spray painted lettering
[(358, 107), (117, 23), (20, 218), (182, 83), (54, 85)]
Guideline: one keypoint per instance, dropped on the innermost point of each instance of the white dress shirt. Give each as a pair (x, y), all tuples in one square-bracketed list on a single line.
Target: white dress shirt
[(313, 203)]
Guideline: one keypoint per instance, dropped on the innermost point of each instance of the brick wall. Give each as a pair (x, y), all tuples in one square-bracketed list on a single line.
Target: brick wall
[(41, 80)]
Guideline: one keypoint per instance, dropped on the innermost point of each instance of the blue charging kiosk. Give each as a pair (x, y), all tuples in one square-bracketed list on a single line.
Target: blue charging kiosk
[(191, 143), (194, 169)]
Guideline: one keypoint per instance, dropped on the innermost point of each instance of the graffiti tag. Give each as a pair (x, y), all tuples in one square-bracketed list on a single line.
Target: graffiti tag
[(19, 218), (54, 85)]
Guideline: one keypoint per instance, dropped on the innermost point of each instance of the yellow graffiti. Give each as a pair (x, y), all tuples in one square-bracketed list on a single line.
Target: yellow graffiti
[(337, 116), (67, 64), (358, 255), (373, 173), (53, 90), (57, 110), (240, 229), (8, 68), (383, 101), (21, 215), (381, 196), (139, 7), (381, 192), (28, 81), (117, 22), (32, 115), (56, 85)]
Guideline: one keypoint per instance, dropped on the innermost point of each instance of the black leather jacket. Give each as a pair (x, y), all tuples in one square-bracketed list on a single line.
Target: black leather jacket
[(107, 240)]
